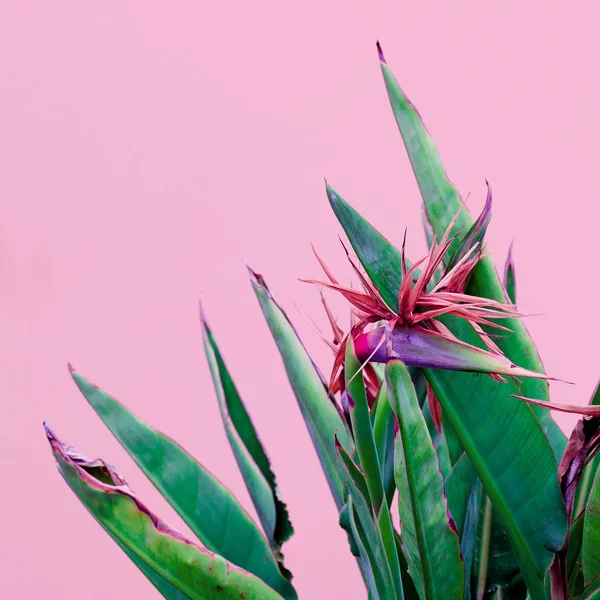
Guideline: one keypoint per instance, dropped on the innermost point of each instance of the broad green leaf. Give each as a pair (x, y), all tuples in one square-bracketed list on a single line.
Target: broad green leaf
[(500, 439), (369, 460), (442, 203), (203, 502), (590, 549), (196, 573), (369, 534), (429, 536), (247, 448), (459, 487), (318, 409)]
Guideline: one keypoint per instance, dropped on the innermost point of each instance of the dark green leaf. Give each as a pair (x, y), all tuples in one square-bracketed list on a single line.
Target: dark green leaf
[(590, 549), (459, 488), (247, 448), (369, 532)]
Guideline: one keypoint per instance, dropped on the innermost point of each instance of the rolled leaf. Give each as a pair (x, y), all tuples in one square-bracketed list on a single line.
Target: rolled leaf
[(476, 234), (204, 503), (247, 448), (318, 409), (429, 536), (196, 573), (510, 283)]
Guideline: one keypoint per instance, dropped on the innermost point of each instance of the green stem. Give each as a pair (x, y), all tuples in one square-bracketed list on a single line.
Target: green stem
[(485, 549)]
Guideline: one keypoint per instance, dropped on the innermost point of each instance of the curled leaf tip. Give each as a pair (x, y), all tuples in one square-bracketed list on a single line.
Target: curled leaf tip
[(380, 52)]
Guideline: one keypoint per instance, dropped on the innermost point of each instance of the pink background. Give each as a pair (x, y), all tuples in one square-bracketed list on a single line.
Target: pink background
[(146, 148)]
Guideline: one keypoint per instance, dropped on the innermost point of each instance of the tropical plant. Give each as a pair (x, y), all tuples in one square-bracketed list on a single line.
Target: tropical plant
[(437, 397)]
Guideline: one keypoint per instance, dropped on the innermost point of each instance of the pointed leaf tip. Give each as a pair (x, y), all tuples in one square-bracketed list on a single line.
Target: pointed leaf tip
[(70, 367), (380, 52)]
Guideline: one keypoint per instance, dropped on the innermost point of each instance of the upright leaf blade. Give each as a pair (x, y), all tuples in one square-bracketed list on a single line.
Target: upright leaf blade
[(203, 502), (442, 202), (590, 549), (381, 260), (321, 416), (429, 536), (197, 573), (247, 448), (369, 460)]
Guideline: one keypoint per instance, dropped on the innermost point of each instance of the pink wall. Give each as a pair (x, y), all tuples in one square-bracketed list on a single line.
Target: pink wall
[(146, 148)]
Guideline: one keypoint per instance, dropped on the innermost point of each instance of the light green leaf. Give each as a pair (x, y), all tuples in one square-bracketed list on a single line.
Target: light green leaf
[(322, 418), (369, 460), (203, 502), (196, 573), (429, 537)]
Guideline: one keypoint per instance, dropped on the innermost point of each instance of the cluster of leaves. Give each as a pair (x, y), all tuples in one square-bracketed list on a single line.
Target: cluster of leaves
[(423, 405)]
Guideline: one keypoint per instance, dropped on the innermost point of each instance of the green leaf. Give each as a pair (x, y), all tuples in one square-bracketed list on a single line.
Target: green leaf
[(380, 259), (375, 584), (493, 548), (204, 503), (197, 573), (590, 549), (318, 408), (592, 590), (589, 471), (368, 532), (574, 545), (442, 203), (383, 432), (429, 536), (510, 283), (247, 448), (500, 438), (459, 486), (369, 461), (469, 533)]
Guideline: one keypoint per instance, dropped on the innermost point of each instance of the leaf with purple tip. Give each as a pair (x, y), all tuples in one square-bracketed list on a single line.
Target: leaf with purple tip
[(197, 573), (203, 502)]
